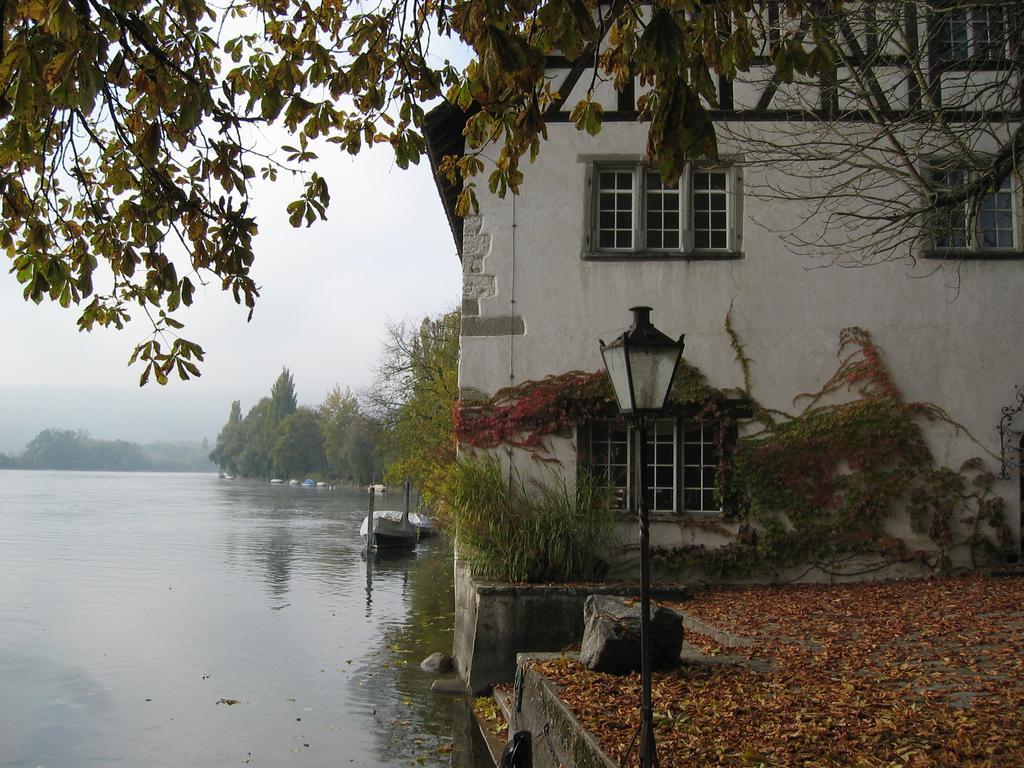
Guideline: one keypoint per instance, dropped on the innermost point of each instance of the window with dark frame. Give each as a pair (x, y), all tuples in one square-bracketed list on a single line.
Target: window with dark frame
[(681, 473)]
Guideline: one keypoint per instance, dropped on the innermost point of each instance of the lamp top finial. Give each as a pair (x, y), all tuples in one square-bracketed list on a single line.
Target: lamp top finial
[(641, 316)]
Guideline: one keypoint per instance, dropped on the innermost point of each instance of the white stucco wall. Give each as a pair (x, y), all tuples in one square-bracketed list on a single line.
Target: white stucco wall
[(950, 336)]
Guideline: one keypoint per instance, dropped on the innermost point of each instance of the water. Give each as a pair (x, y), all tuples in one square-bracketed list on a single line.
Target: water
[(131, 604)]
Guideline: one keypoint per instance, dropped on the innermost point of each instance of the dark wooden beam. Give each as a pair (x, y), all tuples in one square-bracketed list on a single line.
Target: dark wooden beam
[(769, 92), (815, 116), (865, 68), (910, 31), (565, 88)]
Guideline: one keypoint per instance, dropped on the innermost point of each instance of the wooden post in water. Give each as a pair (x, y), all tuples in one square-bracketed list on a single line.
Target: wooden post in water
[(405, 508), (369, 524), (369, 551)]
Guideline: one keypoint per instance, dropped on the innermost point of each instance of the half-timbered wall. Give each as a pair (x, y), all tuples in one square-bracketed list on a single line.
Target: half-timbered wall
[(951, 330)]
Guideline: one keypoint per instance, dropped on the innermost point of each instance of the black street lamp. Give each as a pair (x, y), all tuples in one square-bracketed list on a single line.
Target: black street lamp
[(641, 365)]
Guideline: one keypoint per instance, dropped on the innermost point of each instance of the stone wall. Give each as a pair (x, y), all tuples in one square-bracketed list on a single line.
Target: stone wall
[(496, 622), (558, 739)]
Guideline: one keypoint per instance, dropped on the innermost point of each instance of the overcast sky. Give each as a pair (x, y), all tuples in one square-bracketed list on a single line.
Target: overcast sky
[(384, 252)]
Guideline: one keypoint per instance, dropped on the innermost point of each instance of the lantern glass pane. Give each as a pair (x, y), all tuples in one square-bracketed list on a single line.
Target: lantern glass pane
[(615, 361), (652, 375)]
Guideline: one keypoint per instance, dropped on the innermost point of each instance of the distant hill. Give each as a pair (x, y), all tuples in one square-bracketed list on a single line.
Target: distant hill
[(179, 456), (140, 415), (77, 450)]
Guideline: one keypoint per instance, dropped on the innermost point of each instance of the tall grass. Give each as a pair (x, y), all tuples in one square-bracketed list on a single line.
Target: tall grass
[(553, 533)]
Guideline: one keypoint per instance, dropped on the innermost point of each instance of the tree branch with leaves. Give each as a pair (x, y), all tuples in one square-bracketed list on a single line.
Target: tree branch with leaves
[(129, 130)]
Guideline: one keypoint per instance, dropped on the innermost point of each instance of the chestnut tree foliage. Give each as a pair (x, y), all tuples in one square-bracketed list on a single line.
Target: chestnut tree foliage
[(127, 149)]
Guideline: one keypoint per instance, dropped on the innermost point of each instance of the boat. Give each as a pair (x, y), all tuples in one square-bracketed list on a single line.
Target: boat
[(309, 483), (425, 525), (378, 489), (321, 484), (276, 481), (293, 482), (391, 529)]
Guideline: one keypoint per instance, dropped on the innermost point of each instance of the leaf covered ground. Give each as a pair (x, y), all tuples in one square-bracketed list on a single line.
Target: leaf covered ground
[(908, 673)]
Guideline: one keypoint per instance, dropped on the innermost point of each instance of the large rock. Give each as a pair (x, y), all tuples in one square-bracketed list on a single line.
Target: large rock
[(611, 635)]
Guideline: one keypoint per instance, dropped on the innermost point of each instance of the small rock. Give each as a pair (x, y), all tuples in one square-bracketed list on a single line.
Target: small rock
[(437, 664), (451, 686)]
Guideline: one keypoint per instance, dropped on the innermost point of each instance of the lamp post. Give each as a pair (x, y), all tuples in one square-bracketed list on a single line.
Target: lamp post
[(641, 365)]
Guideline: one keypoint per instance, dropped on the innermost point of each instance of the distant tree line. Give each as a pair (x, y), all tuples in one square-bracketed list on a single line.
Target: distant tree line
[(401, 427), (76, 450), (279, 438)]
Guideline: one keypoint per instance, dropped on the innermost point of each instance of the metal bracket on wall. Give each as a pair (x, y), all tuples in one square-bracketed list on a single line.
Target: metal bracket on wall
[(518, 686), (1006, 431)]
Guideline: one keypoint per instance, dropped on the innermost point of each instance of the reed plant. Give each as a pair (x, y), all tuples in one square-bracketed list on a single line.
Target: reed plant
[(552, 533)]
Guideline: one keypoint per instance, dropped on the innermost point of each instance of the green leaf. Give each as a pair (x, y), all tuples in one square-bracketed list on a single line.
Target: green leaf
[(661, 46), (681, 129)]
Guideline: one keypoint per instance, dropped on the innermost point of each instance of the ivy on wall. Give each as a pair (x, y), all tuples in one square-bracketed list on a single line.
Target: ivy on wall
[(524, 415), (822, 484), (812, 488)]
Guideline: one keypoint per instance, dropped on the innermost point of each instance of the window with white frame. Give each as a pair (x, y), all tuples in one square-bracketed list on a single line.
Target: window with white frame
[(616, 209), (609, 457), (680, 471), (977, 31), (710, 210), (992, 225), (635, 212)]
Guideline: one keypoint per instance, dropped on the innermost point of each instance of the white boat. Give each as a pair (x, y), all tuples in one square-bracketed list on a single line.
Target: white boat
[(379, 489), (293, 482), (276, 481), (425, 525), (321, 484), (391, 529)]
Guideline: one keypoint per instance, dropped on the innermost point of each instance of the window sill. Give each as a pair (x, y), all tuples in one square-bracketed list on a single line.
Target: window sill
[(672, 517), (661, 256), (989, 255)]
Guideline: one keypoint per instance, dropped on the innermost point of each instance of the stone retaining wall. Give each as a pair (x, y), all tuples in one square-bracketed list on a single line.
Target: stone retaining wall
[(558, 739), (495, 622)]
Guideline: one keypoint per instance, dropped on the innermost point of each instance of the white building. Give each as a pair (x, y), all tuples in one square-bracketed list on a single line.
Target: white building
[(594, 232)]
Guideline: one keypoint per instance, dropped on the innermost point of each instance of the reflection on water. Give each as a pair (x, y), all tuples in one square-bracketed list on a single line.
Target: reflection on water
[(131, 604)]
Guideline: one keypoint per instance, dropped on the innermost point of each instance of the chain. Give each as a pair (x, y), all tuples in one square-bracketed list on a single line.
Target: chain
[(551, 746)]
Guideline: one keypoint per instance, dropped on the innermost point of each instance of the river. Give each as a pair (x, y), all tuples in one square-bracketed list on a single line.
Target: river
[(135, 609)]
